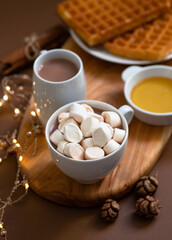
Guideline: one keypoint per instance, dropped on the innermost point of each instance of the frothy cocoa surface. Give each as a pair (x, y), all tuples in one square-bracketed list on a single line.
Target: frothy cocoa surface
[(57, 70)]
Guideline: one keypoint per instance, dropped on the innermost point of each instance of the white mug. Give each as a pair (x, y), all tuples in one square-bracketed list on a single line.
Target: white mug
[(89, 171), (48, 95)]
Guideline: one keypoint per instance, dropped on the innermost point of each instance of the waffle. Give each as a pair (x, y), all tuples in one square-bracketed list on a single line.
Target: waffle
[(151, 41), (97, 21)]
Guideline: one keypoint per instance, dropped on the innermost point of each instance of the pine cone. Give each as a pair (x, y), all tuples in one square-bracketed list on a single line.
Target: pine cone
[(147, 207), (146, 185), (109, 210)]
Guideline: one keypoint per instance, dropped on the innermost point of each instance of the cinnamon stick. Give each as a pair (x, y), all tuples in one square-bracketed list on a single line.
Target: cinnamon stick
[(52, 38)]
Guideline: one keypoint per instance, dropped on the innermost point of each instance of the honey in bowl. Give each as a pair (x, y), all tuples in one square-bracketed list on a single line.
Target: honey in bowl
[(153, 94)]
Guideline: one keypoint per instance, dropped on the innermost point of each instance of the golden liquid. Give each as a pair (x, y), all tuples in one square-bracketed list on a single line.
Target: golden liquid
[(153, 94)]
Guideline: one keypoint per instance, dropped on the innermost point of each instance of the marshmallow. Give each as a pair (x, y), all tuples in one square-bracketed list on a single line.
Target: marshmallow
[(95, 115), (66, 149), (62, 125), (94, 153), (76, 151), (101, 135), (87, 142), (87, 107), (112, 118), (56, 137), (88, 125), (118, 135), (61, 146), (110, 128), (108, 125), (63, 116), (111, 146), (78, 112), (72, 133)]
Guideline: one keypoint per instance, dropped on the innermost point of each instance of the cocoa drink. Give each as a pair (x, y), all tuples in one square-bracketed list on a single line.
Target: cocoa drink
[(57, 70)]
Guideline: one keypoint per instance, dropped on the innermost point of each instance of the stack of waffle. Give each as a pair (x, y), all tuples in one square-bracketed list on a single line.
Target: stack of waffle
[(135, 29)]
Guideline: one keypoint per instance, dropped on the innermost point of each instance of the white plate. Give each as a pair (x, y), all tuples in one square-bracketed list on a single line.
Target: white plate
[(102, 53)]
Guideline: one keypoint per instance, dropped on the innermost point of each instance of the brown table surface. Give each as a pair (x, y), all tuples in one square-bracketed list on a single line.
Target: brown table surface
[(36, 218)]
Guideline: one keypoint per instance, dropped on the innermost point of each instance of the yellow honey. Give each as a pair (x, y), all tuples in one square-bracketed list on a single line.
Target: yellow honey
[(153, 94)]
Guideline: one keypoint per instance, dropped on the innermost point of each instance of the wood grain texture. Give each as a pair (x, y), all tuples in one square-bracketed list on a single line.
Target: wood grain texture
[(144, 147)]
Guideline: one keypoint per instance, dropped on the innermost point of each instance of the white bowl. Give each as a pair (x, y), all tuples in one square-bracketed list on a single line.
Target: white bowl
[(132, 76), (89, 171)]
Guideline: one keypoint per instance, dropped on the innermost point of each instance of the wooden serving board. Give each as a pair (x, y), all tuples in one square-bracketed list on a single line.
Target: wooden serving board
[(144, 147)]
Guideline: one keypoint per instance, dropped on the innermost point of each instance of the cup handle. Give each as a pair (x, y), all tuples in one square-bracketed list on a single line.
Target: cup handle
[(128, 72), (42, 52), (127, 112)]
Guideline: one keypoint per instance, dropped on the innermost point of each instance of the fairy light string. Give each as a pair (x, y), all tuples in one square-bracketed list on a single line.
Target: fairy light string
[(9, 144)]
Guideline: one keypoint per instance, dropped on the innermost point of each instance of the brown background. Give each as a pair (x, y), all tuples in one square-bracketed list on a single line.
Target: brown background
[(35, 218)]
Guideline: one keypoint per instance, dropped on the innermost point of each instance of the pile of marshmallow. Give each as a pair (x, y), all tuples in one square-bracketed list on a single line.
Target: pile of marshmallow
[(83, 134)]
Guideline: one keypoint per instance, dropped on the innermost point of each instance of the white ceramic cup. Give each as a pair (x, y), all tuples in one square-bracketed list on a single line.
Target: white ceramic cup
[(48, 95), (132, 76), (89, 171)]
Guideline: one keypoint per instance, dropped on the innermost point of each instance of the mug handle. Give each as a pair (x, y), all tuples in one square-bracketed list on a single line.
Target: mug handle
[(129, 72), (42, 52), (127, 112)]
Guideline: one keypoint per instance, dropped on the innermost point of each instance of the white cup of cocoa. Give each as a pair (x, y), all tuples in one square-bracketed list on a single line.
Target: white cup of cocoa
[(58, 79)]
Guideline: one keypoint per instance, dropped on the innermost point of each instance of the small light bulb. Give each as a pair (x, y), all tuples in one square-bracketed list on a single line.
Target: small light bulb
[(1, 103), (17, 111), (14, 140), (18, 145), (20, 158), (33, 113), (26, 186), (1, 225), (0, 160), (7, 88), (5, 97)]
